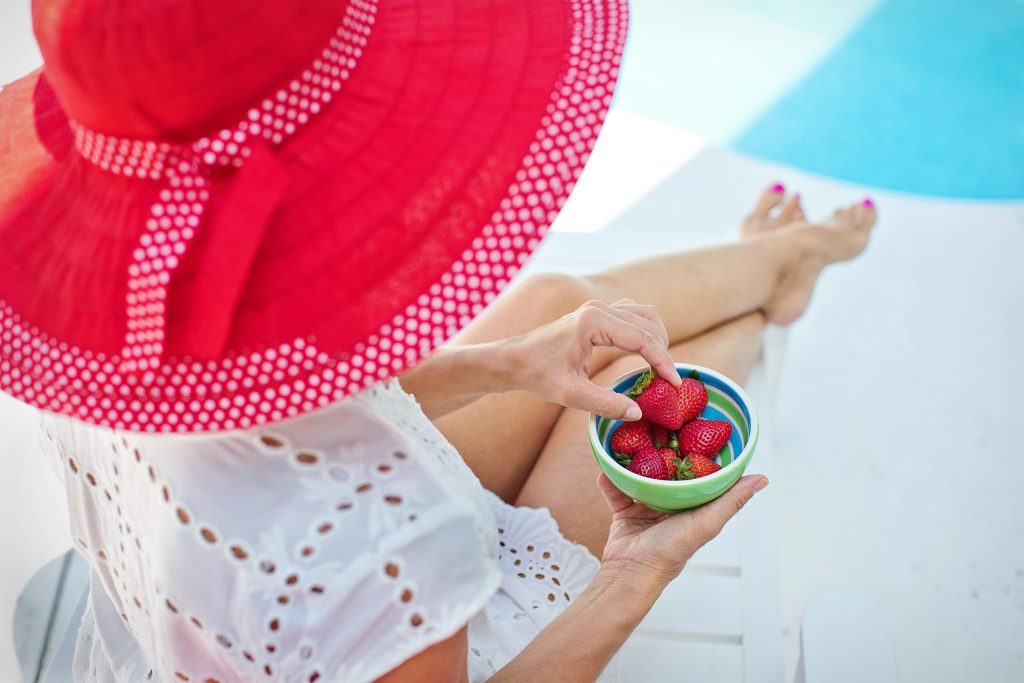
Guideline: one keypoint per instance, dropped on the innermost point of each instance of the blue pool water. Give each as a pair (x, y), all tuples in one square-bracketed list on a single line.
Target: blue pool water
[(922, 96), (926, 96)]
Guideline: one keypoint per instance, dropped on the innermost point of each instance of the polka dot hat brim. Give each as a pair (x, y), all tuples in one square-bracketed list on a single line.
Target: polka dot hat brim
[(246, 255)]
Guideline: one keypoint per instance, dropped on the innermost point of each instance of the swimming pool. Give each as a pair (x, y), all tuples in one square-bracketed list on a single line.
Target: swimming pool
[(921, 96)]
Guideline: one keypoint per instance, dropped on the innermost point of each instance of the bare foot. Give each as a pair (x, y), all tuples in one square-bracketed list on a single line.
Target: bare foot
[(840, 238), (773, 210)]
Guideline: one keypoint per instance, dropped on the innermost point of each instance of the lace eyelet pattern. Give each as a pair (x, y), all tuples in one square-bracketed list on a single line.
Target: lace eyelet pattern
[(227, 542)]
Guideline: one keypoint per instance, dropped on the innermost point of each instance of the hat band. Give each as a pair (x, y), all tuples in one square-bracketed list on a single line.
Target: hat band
[(185, 169)]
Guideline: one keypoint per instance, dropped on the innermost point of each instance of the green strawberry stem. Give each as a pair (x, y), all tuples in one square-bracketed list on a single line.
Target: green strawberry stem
[(642, 382), (622, 459), (683, 470), (673, 441), (694, 374)]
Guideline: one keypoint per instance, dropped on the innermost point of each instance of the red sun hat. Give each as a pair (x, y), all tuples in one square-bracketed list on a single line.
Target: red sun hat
[(220, 213)]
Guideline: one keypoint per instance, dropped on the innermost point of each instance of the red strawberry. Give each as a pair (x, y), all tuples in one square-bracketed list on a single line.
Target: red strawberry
[(658, 400), (630, 437), (649, 463), (659, 435), (704, 437), (697, 466), (693, 397), (670, 457)]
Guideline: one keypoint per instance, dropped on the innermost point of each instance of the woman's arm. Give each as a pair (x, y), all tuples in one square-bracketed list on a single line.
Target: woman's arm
[(552, 361), (579, 643), (455, 376), (574, 647), (645, 550)]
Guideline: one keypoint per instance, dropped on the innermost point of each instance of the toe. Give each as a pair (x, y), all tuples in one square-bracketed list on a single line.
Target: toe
[(768, 200), (842, 217), (791, 211), (867, 213), (858, 216)]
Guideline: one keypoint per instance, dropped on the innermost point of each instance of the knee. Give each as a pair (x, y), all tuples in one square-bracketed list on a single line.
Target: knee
[(552, 295)]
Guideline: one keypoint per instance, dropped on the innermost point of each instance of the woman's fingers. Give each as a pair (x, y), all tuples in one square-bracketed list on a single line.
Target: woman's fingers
[(708, 520), (645, 317), (616, 499), (648, 314), (583, 394), (608, 329), (625, 325)]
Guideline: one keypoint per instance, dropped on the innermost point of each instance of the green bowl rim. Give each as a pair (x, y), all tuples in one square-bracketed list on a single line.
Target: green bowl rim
[(755, 433)]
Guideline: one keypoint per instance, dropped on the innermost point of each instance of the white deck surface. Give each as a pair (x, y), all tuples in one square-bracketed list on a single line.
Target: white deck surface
[(897, 468)]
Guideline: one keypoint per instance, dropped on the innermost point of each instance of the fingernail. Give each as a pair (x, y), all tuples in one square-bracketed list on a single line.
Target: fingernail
[(761, 483), (778, 187), (634, 413), (867, 202)]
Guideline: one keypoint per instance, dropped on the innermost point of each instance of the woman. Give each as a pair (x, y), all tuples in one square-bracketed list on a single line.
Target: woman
[(227, 226)]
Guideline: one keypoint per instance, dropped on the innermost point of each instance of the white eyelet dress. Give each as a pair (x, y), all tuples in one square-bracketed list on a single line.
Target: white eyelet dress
[(331, 547)]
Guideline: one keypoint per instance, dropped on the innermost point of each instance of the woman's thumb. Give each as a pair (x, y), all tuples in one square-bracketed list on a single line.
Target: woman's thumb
[(585, 395), (714, 515)]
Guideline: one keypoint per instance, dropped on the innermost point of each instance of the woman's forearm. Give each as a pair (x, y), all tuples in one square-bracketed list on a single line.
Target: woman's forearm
[(552, 362), (579, 643), (456, 376)]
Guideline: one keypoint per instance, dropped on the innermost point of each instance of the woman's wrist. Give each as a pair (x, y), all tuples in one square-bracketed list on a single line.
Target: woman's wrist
[(524, 365), (634, 587), (509, 365), (456, 376), (505, 363)]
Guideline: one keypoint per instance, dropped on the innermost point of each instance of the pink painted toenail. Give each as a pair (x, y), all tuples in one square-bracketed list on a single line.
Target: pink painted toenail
[(867, 202), (778, 187)]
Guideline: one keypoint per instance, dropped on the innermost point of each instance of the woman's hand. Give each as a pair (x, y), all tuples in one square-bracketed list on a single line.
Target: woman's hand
[(657, 546), (645, 551), (553, 361)]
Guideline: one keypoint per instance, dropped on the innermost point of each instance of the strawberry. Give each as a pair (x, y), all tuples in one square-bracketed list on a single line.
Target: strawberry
[(704, 437), (658, 400), (693, 397), (697, 466), (659, 435), (630, 437), (649, 463), (670, 457)]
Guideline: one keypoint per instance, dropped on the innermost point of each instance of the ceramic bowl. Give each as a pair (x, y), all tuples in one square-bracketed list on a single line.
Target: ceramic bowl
[(726, 401)]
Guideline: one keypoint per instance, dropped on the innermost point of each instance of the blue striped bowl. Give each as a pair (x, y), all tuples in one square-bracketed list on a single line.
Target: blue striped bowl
[(726, 401)]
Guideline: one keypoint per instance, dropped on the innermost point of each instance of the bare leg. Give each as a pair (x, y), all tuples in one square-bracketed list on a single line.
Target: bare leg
[(774, 269), (500, 436), (692, 290), (563, 478)]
